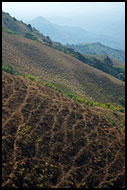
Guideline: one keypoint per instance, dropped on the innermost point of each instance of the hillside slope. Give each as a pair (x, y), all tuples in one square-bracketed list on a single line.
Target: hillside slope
[(13, 26), (65, 71), (99, 49), (51, 141)]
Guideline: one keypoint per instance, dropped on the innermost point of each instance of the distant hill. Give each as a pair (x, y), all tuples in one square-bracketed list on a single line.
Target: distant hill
[(72, 34), (112, 27), (51, 141), (99, 49)]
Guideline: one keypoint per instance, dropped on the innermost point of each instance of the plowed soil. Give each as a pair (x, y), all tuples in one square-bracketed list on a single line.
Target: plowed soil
[(64, 71), (51, 141)]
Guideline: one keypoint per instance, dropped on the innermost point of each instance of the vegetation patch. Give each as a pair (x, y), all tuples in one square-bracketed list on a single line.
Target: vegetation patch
[(28, 76), (24, 129), (8, 69), (8, 31), (30, 36), (52, 86), (99, 49), (118, 108)]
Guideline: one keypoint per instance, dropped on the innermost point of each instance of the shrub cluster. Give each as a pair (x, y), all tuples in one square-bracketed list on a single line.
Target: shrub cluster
[(90, 103), (8, 69), (52, 86), (30, 36), (31, 77)]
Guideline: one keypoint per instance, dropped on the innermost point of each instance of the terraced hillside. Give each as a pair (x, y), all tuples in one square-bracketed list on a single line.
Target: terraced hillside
[(52, 141), (62, 70)]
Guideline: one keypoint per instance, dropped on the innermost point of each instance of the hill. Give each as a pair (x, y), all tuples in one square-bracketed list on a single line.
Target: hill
[(51, 141), (110, 29), (74, 34), (60, 69), (12, 26), (99, 49)]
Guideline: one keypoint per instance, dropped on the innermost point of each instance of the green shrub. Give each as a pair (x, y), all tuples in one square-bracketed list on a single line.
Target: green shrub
[(113, 107), (72, 96), (30, 36), (8, 31), (8, 69), (82, 100), (29, 26), (52, 86), (90, 103), (31, 77), (25, 129)]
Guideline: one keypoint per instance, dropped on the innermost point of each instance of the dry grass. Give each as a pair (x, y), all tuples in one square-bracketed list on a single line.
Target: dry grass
[(62, 70), (51, 141)]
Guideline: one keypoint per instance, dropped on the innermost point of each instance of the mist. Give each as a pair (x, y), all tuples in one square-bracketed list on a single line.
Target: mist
[(102, 18)]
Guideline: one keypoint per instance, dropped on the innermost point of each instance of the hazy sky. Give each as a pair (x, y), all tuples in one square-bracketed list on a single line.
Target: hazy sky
[(30, 10)]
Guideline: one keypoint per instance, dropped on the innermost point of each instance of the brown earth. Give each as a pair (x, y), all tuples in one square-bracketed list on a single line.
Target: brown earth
[(64, 71), (51, 141)]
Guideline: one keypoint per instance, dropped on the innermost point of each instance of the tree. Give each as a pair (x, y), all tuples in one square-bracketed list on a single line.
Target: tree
[(29, 26)]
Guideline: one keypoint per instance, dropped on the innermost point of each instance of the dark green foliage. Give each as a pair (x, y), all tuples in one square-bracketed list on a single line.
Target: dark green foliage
[(30, 36), (14, 18), (72, 96), (48, 38), (11, 70), (105, 64), (119, 72), (8, 69), (30, 27), (122, 101)]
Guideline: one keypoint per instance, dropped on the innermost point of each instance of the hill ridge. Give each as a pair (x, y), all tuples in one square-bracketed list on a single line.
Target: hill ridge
[(62, 70), (51, 140), (98, 48), (12, 26)]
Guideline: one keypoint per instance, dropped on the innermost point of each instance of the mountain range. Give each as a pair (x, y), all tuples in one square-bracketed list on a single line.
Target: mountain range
[(73, 34)]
